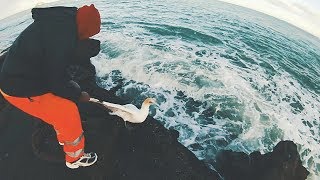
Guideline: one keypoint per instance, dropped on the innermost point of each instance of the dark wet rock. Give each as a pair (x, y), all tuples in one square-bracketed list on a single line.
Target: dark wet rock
[(145, 151), (282, 164), (29, 149), (3, 102)]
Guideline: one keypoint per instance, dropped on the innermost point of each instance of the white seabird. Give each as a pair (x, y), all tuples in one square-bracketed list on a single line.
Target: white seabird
[(129, 112)]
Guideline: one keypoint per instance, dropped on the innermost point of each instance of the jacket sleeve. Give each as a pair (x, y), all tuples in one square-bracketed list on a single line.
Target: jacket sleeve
[(59, 44)]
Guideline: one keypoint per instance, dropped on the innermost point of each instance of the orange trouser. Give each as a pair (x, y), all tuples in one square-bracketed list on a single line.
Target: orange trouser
[(61, 113)]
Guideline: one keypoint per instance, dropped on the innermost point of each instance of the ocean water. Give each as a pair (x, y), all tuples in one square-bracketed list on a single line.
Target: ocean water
[(224, 76)]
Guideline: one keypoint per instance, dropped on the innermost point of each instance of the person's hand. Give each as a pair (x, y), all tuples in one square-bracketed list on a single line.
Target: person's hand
[(84, 97)]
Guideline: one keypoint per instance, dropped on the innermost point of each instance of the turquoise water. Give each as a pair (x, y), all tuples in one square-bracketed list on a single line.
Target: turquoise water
[(225, 77)]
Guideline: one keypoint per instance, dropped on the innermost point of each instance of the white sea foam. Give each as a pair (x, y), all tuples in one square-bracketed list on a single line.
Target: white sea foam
[(264, 101)]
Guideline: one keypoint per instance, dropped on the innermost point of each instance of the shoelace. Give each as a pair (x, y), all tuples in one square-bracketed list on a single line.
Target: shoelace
[(87, 155)]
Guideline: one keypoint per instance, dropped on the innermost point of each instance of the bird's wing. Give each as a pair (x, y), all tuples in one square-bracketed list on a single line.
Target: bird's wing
[(117, 107), (131, 107), (124, 115)]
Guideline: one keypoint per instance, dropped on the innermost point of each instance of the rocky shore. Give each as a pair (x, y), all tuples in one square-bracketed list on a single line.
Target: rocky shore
[(29, 150)]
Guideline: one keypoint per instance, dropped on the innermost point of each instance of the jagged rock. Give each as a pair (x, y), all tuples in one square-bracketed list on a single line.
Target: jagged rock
[(282, 164)]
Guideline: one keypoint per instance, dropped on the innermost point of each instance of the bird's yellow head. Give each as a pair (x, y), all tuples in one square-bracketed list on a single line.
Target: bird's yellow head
[(149, 101)]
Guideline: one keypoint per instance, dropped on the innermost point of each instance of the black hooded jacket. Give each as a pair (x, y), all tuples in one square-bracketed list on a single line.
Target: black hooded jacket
[(37, 60)]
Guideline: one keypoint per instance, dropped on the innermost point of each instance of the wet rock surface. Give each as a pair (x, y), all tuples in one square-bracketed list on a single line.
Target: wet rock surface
[(283, 163)]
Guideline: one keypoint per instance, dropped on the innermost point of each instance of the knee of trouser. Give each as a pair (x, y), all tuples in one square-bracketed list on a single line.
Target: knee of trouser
[(68, 108), (67, 120)]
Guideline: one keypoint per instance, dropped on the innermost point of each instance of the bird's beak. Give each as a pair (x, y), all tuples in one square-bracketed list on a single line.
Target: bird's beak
[(156, 104), (154, 101)]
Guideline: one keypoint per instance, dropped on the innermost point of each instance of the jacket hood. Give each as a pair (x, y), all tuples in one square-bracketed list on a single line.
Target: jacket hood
[(54, 13)]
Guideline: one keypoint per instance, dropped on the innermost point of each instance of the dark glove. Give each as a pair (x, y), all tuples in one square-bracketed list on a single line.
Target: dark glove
[(84, 97)]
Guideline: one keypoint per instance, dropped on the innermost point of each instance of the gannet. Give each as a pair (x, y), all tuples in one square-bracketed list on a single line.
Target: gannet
[(129, 112)]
